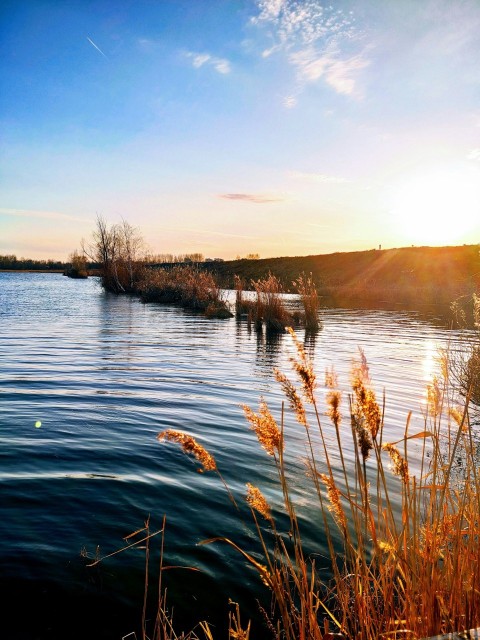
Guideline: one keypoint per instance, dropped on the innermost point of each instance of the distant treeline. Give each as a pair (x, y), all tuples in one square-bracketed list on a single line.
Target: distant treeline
[(27, 264), (12, 263)]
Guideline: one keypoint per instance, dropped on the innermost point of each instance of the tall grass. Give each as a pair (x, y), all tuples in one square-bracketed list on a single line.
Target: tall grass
[(400, 519), (407, 573), (188, 286), (267, 308), (307, 291)]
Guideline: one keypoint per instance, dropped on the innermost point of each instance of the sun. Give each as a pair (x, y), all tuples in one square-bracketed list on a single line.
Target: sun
[(438, 206)]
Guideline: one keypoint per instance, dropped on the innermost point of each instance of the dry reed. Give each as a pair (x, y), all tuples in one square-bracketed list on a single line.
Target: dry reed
[(307, 291), (187, 286), (402, 528), (407, 574)]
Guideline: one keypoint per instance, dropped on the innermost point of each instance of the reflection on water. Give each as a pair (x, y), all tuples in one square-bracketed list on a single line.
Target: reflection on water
[(104, 375)]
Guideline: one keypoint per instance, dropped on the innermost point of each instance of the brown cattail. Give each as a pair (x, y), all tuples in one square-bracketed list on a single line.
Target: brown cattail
[(190, 445)]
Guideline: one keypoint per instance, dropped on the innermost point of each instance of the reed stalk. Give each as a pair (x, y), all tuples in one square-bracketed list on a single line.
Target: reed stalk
[(406, 572), (400, 519), (269, 308), (307, 291)]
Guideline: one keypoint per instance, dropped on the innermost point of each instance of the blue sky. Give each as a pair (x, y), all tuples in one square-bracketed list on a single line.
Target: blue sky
[(228, 127)]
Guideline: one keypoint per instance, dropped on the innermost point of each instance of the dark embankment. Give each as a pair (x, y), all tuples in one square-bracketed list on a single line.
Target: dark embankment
[(409, 276)]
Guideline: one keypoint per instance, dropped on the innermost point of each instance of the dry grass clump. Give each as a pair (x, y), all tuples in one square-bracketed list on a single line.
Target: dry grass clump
[(402, 528), (406, 571), (463, 364), (267, 309), (188, 286), (242, 306), (307, 291), (270, 308)]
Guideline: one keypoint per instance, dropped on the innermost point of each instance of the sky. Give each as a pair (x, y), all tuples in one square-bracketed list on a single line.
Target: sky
[(228, 127)]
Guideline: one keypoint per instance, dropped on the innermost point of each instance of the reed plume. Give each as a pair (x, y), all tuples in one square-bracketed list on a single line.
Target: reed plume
[(258, 502), (304, 368), (264, 425), (190, 445)]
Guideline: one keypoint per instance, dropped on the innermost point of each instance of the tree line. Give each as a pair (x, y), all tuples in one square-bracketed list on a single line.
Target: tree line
[(11, 262)]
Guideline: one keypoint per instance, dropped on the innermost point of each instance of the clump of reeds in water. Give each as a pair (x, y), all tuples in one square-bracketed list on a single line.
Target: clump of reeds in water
[(267, 308), (307, 291), (270, 308), (188, 286), (243, 307)]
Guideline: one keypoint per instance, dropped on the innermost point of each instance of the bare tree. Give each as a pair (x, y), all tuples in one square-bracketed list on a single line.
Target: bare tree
[(118, 251)]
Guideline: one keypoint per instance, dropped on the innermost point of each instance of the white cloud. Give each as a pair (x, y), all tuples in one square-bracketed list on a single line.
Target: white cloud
[(221, 65), (270, 9), (289, 102), (320, 41), (200, 59), (474, 154), (305, 23), (340, 75)]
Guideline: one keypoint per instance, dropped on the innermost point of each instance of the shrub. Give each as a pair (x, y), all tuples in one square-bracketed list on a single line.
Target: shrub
[(187, 286)]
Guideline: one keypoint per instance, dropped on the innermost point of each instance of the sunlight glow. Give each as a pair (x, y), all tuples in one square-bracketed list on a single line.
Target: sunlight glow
[(430, 360), (437, 206)]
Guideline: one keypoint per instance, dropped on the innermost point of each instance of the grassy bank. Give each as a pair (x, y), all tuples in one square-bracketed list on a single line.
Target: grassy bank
[(412, 276)]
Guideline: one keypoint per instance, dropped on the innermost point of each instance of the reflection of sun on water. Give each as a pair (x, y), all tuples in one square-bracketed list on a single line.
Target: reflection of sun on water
[(429, 366), (438, 206)]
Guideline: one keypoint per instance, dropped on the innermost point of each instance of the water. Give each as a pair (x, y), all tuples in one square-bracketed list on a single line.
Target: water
[(104, 375)]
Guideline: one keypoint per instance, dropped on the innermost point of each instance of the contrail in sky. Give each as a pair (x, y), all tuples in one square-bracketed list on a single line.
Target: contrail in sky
[(97, 48)]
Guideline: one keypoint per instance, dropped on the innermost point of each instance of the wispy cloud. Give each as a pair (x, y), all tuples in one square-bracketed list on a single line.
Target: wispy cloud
[(339, 74), (96, 47), (221, 65), (147, 45), (289, 102), (257, 198), (320, 42), (317, 177), (474, 155), (304, 23), (33, 213)]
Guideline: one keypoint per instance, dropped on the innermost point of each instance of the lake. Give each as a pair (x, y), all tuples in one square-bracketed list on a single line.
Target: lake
[(87, 381)]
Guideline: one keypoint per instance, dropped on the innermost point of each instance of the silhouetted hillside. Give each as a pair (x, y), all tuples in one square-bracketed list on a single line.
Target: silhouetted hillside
[(407, 275)]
